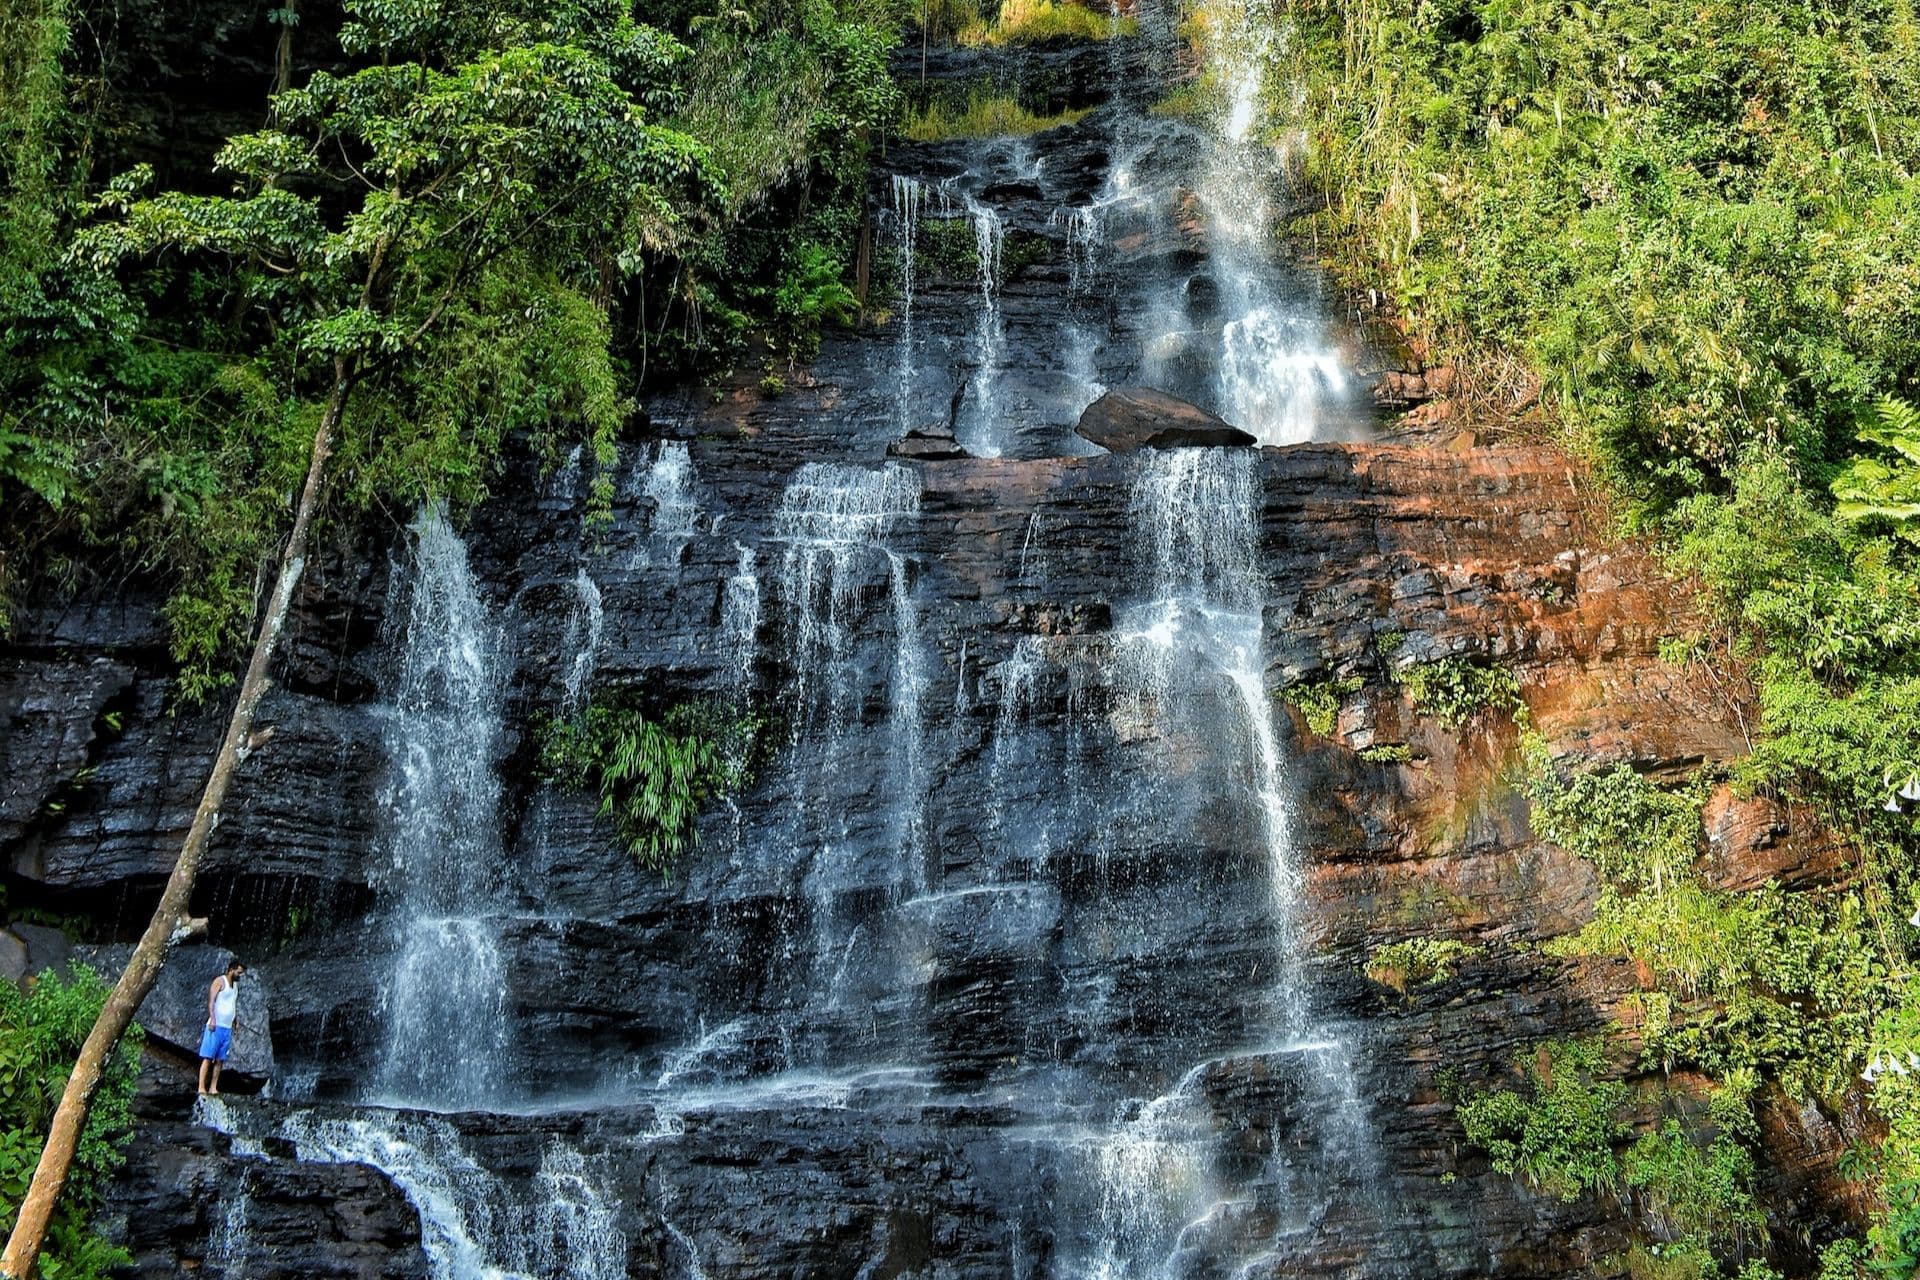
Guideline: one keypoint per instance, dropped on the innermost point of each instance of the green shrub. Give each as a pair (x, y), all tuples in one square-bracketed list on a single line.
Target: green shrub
[(1453, 690), (653, 775), (1386, 753), (1318, 701), (1559, 1133), (1418, 961), (1705, 1193), (40, 1035), (983, 115), (1040, 21), (1631, 830)]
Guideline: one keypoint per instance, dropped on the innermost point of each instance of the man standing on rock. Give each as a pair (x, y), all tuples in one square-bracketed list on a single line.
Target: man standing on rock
[(216, 1042)]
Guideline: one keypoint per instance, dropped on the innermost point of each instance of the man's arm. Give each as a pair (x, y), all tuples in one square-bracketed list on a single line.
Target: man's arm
[(213, 993)]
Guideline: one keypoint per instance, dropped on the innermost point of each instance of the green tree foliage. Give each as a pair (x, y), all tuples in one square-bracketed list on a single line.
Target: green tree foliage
[(482, 225), (654, 774), (39, 1034)]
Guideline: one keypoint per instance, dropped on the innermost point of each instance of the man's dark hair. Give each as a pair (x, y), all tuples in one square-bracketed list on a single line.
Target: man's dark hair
[(235, 965)]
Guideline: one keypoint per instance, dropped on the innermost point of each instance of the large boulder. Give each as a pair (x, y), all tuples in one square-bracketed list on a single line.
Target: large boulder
[(1128, 418), (175, 1011)]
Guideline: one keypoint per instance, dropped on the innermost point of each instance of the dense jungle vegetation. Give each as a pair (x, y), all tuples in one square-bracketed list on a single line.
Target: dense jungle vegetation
[(1685, 239), (495, 218)]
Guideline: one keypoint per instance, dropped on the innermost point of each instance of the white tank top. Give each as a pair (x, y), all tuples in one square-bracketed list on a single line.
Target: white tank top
[(225, 1004)]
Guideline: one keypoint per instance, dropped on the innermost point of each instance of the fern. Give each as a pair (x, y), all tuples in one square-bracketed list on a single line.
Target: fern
[(1872, 489)]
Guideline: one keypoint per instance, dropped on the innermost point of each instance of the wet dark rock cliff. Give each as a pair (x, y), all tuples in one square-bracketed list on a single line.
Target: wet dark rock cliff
[(1486, 552)]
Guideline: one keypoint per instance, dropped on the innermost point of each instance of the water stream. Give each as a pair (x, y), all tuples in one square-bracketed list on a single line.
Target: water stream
[(1033, 873), (445, 1002)]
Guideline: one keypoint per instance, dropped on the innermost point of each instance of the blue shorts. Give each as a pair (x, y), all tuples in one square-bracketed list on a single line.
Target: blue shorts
[(216, 1043)]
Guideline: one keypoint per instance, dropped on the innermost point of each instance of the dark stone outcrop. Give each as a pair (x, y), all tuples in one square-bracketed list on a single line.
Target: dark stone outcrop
[(206, 1204), (175, 1011), (927, 444), (1129, 418)]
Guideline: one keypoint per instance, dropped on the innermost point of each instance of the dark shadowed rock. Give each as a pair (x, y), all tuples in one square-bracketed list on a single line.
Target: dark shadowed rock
[(1129, 418), (928, 444), (175, 1011), (208, 1208)]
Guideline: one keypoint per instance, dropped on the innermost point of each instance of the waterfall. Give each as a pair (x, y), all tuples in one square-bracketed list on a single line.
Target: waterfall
[(835, 523), (986, 436), (582, 640), (231, 1249), (908, 200), (445, 1005), (669, 485), (665, 479), (740, 621), (1193, 662), (474, 1225), (1274, 370), (575, 1233)]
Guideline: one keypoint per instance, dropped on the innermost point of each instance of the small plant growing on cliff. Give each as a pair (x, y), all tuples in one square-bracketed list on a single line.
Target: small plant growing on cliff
[(1040, 21), (1452, 690), (1418, 961), (982, 115), (653, 774), (1634, 832), (1558, 1132), (1318, 701), (1386, 753)]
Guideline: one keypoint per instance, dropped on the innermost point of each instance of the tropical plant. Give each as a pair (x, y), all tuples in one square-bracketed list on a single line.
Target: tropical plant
[(653, 774), (40, 1031)]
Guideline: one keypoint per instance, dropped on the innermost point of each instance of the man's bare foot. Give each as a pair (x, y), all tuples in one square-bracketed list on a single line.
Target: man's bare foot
[(214, 1092)]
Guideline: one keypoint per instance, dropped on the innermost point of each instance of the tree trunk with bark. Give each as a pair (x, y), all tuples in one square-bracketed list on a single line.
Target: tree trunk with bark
[(171, 922)]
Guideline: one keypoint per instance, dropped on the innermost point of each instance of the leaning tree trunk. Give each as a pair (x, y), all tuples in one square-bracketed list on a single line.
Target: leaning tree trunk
[(170, 922)]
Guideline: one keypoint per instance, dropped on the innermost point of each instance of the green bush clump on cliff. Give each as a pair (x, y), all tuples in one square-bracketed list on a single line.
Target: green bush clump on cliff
[(1559, 1130), (1417, 961), (40, 1032), (653, 773), (1453, 690), (1562, 1132), (1318, 701), (1682, 236)]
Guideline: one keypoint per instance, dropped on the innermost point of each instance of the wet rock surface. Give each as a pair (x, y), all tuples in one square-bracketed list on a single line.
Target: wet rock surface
[(1130, 418), (206, 1204)]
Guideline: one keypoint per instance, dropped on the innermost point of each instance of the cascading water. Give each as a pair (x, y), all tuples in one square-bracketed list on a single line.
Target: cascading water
[(908, 204), (582, 641), (1275, 371), (445, 1003), (1192, 663), (984, 435), (665, 480), (835, 524)]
